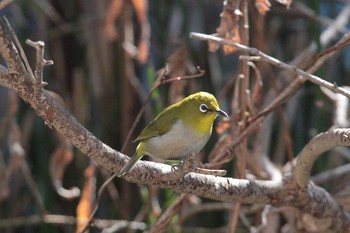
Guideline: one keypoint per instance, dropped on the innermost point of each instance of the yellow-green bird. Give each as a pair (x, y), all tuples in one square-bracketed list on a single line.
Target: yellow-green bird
[(180, 130)]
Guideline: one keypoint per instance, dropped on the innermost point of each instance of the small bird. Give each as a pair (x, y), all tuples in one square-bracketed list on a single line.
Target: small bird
[(180, 130)]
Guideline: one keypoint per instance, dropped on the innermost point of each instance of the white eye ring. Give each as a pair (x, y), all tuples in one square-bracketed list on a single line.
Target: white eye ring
[(203, 108)]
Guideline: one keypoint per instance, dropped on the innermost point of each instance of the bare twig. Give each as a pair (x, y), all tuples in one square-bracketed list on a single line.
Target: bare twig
[(227, 148), (40, 63), (19, 47), (332, 174), (288, 191), (241, 164), (255, 52), (341, 105), (205, 207), (172, 176), (98, 198), (162, 79), (65, 220), (323, 20), (167, 216), (13, 61)]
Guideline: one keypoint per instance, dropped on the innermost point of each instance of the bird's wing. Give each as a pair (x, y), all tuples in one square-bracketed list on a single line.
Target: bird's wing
[(159, 126)]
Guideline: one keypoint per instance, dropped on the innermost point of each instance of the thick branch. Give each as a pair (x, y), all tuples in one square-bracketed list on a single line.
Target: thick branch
[(56, 116), (314, 200), (13, 60), (318, 145)]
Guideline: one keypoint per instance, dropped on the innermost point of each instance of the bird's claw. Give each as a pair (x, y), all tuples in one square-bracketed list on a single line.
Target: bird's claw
[(177, 167)]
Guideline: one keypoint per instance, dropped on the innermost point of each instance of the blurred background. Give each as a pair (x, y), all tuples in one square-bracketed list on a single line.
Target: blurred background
[(107, 56)]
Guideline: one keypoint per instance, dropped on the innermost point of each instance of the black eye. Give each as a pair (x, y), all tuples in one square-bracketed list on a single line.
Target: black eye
[(203, 108)]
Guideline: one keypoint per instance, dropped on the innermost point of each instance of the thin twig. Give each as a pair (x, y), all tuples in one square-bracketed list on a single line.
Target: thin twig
[(303, 75), (139, 114), (14, 63), (332, 174), (228, 148), (205, 208), (19, 47), (99, 195), (243, 107), (40, 63), (314, 200), (297, 83), (160, 81), (168, 214), (56, 219)]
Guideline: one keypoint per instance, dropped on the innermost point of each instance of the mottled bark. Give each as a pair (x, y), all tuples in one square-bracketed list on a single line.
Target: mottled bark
[(287, 192)]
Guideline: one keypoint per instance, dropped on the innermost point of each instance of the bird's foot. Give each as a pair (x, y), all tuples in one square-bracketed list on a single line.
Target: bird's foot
[(190, 165), (184, 166), (180, 168), (177, 167)]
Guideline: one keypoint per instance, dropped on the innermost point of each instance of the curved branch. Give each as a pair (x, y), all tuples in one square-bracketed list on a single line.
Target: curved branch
[(59, 118), (313, 200), (318, 145), (150, 173)]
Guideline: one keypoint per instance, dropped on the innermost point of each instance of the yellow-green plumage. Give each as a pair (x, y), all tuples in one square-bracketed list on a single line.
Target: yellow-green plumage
[(180, 130)]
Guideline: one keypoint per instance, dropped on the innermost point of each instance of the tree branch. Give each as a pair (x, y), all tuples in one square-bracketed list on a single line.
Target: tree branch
[(317, 146), (262, 56), (313, 200)]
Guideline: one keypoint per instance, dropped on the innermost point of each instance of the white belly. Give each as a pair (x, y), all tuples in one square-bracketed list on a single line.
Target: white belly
[(179, 142)]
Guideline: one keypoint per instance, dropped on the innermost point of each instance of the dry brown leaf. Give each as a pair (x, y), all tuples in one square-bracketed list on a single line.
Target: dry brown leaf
[(233, 37), (140, 7), (87, 198), (222, 127), (228, 22), (228, 18), (262, 6)]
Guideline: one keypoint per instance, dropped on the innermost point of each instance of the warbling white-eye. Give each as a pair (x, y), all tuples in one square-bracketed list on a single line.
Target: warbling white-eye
[(180, 130)]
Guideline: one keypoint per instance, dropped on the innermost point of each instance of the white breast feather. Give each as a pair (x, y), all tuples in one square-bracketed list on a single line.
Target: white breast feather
[(179, 142)]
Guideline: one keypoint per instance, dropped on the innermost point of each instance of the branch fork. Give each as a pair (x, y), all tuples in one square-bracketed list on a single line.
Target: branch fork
[(40, 63), (317, 201)]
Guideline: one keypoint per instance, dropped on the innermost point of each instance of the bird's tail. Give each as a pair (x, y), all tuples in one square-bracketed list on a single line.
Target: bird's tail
[(129, 165)]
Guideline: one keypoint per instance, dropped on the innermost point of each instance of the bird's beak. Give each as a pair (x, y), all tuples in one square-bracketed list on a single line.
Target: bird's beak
[(221, 113)]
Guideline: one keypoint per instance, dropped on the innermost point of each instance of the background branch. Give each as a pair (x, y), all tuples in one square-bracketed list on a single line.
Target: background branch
[(262, 56), (316, 147), (283, 190)]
